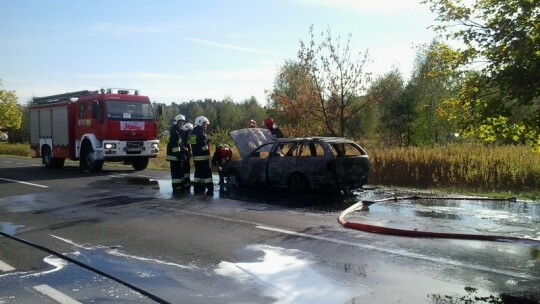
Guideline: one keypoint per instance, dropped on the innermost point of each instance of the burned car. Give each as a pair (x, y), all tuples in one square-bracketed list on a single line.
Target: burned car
[(299, 164)]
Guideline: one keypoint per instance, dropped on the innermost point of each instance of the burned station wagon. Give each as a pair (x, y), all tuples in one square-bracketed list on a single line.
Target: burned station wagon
[(299, 164)]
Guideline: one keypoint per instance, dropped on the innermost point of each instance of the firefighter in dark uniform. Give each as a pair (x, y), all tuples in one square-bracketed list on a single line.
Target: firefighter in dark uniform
[(270, 125), (185, 131), (174, 152), (222, 155), (202, 179)]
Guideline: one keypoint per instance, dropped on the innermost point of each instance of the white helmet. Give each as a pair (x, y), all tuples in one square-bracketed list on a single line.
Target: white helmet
[(199, 121), (187, 127), (178, 118)]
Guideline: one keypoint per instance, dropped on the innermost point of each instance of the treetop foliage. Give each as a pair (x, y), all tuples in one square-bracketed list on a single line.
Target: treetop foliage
[(498, 66), (10, 115)]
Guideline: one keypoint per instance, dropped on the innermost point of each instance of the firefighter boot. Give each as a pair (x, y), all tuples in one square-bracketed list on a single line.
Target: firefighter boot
[(198, 188), (210, 189)]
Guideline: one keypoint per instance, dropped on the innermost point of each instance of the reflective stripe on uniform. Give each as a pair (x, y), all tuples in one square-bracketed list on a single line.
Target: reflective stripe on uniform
[(171, 158), (197, 180), (176, 149), (176, 180), (204, 148), (203, 157), (207, 180)]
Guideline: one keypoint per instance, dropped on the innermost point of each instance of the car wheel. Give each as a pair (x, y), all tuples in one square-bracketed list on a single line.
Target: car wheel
[(299, 184), (232, 178)]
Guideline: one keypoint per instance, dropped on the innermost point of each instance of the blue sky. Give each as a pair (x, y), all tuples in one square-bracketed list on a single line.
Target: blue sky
[(176, 51)]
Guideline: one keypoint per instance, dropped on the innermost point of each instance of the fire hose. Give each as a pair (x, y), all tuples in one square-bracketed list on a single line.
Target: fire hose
[(364, 205), (64, 257)]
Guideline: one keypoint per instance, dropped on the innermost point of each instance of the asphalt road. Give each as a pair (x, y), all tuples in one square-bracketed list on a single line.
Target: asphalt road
[(255, 246)]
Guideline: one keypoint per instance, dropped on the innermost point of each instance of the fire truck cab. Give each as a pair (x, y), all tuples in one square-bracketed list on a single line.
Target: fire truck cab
[(116, 125)]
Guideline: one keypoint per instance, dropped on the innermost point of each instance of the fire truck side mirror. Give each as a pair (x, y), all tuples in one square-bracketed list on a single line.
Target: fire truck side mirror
[(160, 110)]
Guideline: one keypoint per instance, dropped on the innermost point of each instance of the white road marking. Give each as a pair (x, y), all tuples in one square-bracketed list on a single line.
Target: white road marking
[(6, 267), (26, 183), (55, 294)]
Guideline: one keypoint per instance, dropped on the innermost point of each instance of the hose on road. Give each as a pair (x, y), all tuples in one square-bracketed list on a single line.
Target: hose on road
[(364, 206), (63, 256)]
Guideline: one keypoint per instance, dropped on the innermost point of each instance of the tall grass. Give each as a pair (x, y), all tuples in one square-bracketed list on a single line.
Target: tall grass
[(16, 149), (470, 166)]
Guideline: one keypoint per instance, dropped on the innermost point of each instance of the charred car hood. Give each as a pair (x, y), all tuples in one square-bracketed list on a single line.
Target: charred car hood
[(247, 140)]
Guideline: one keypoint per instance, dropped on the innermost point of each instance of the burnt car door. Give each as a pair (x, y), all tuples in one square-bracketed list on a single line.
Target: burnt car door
[(254, 164), (281, 162), (312, 161)]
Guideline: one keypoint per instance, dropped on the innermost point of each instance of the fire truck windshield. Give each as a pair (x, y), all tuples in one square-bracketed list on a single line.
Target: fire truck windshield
[(129, 110)]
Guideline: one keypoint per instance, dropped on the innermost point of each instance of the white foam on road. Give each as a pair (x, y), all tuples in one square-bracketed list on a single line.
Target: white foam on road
[(287, 276), (57, 263), (118, 253)]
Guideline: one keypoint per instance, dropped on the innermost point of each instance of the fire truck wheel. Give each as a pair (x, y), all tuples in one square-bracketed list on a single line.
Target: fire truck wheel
[(92, 163), (139, 164), (49, 161)]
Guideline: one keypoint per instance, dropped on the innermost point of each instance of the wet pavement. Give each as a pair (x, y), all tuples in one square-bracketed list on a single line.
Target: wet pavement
[(279, 248)]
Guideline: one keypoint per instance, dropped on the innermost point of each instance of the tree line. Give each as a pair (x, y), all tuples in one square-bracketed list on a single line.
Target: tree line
[(486, 89)]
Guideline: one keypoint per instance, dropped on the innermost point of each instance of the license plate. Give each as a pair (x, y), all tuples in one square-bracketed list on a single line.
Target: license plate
[(134, 147)]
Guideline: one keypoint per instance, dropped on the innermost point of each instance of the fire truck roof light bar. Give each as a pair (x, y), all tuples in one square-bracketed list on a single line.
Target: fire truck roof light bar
[(120, 91)]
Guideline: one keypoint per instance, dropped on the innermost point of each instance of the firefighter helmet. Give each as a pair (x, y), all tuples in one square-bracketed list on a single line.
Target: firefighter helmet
[(178, 118), (199, 121), (187, 127), (269, 122), (252, 124)]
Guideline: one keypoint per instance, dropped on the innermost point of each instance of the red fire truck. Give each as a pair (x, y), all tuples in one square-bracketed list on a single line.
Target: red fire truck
[(93, 127)]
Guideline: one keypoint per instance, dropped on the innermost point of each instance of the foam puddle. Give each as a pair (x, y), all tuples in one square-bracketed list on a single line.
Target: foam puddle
[(287, 276)]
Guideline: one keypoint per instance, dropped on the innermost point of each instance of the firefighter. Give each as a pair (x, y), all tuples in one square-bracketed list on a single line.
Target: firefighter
[(270, 125), (202, 179), (222, 155), (252, 124), (185, 158), (174, 152)]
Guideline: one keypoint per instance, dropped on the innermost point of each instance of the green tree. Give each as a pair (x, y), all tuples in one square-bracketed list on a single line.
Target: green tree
[(251, 109), (294, 98), (430, 86), (338, 78), (22, 134), (500, 60), (10, 115), (229, 115), (394, 117)]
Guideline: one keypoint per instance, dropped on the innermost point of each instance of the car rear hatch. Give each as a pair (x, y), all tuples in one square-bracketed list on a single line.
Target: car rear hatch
[(352, 170), (247, 140), (351, 162)]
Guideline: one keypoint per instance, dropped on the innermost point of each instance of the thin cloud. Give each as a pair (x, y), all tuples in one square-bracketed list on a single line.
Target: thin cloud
[(233, 47)]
